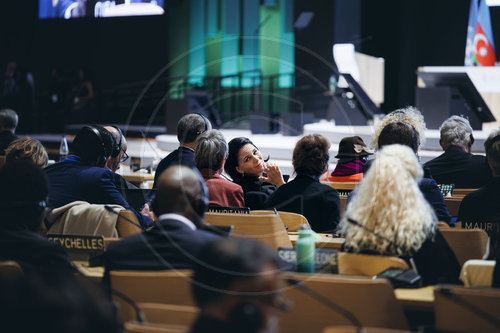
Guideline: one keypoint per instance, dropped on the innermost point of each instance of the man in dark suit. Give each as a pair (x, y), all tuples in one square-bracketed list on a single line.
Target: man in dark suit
[(176, 238), (118, 155), (84, 177), (22, 199), (189, 129), (457, 165), (8, 124), (210, 154)]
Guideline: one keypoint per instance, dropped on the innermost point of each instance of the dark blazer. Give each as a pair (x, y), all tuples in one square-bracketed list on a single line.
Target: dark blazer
[(456, 166), (182, 156), (222, 192), (305, 195), (34, 253), (482, 205), (169, 244), (71, 180), (6, 137), (256, 191)]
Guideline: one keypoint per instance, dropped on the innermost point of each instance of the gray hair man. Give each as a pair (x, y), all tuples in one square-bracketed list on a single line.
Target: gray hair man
[(8, 124), (189, 128), (457, 165), (210, 153)]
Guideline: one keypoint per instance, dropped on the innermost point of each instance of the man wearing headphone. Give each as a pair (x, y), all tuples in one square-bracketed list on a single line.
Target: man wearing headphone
[(238, 286), (176, 239), (22, 200), (118, 156), (189, 128), (84, 177)]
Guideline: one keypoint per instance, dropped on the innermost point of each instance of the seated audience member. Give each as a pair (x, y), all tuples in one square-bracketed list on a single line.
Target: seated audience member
[(23, 193), (238, 287), (409, 115), (210, 152), (176, 238), (457, 165), (352, 157), (483, 205), (8, 124), (389, 202), (189, 129), (27, 149), (118, 156), (405, 134), (305, 195), (55, 303), (84, 177), (248, 169)]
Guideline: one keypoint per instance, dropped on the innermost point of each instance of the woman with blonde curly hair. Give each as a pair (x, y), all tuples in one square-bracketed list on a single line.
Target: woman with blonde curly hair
[(389, 201), (27, 149)]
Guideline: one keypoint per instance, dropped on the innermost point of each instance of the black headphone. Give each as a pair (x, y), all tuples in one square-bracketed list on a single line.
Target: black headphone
[(115, 151), (246, 318), (199, 206), (205, 121), (102, 160)]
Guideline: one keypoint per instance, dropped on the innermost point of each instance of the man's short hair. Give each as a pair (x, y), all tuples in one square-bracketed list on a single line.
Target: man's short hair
[(8, 119), (89, 147), (492, 148), (210, 150), (455, 131), (191, 126), (224, 262), (399, 133)]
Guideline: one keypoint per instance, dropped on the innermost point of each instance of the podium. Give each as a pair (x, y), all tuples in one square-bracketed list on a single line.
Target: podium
[(470, 91)]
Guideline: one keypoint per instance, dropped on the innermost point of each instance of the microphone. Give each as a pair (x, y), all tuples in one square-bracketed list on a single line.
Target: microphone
[(391, 242), (326, 301), (451, 295), (110, 209)]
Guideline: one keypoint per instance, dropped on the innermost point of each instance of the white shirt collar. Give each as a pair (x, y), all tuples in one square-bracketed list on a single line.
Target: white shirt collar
[(178, 218)]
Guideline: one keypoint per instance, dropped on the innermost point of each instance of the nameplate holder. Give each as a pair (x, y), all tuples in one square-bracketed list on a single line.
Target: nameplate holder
[(230, 210), (489, 227), (325, 260), (79, 247)]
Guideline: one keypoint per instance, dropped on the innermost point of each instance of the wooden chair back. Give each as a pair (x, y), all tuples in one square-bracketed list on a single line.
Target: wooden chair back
[(462, 192), (135, 327), (170, 314), (372, 301), (268, 229), (169, 287), (466, 243), (124, 227), (442, 225), (339, 186), (453, 204), (10, 269), (367, 264), (458, 312), (2, 160), (292, 221)]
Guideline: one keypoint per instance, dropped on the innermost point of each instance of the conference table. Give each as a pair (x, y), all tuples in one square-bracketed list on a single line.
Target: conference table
[(327, 241)]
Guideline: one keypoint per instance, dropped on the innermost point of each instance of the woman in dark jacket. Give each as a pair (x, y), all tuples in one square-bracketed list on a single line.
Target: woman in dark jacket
[(305, 195), (246, 166)]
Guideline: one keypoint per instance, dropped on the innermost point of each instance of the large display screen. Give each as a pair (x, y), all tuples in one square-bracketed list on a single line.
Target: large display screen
[(69, 9)]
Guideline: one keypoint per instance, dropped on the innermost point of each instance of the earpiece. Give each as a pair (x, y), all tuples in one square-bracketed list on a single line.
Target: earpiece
[(117, 147), (246, 317), (103, 157), (205, 121)]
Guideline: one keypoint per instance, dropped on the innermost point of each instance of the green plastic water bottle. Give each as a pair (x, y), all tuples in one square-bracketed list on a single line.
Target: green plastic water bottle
[(305, 250)]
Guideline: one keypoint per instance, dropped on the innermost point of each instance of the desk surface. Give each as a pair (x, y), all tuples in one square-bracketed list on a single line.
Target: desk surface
[(421, 298), (327, 241)]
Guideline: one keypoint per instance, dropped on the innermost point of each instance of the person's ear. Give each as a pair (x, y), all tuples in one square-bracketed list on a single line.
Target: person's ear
[(240, 170)]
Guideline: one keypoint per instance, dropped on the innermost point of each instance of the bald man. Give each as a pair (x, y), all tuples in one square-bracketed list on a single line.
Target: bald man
[(176, 239)]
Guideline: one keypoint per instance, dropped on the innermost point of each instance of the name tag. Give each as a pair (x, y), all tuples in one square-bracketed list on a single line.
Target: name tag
[(325, 260), (80, 244), (230, 210), (489, 227)]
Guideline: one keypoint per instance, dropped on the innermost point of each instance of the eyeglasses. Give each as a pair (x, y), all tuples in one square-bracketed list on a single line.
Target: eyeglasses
[(124, 157)]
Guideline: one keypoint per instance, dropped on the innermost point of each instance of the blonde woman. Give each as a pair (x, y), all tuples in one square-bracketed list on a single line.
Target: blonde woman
[(27, 149), (389, 201)]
